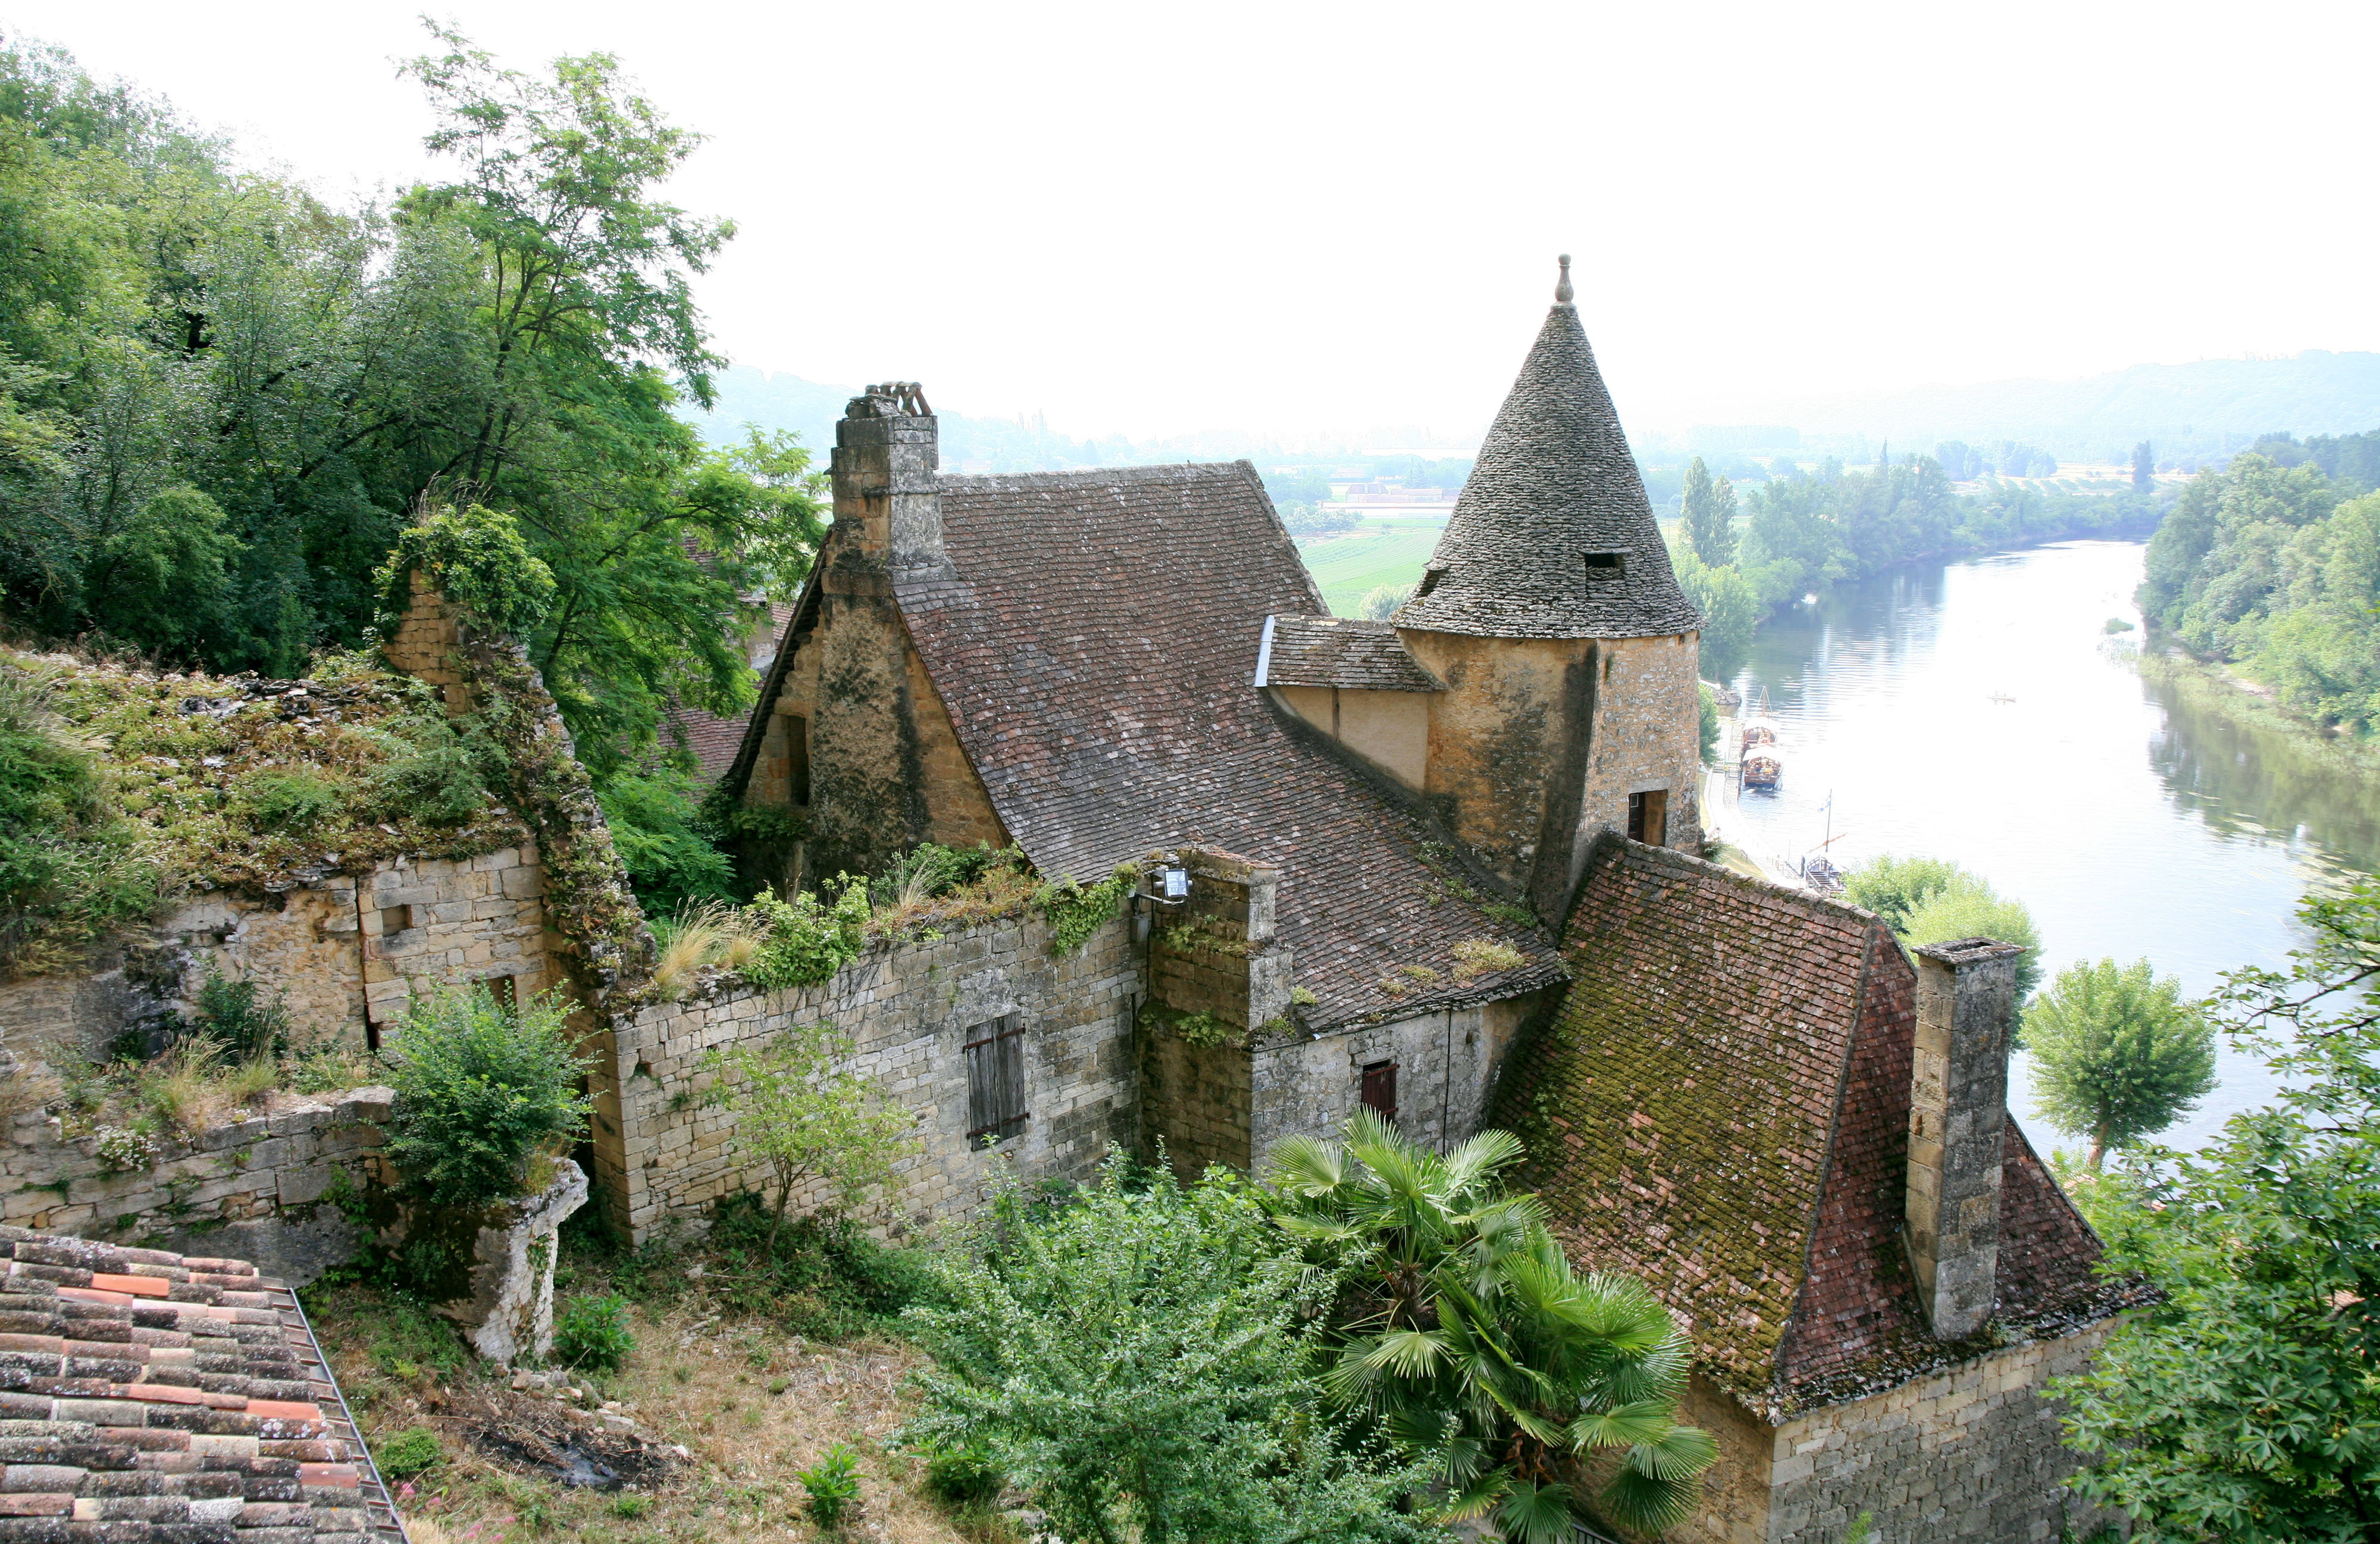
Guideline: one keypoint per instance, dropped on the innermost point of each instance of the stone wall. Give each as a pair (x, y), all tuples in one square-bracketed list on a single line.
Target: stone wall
[(1969, 1453), (908, 1007), (1196, 1100), (250, 1188), (1648, 736), (1446, 1065)]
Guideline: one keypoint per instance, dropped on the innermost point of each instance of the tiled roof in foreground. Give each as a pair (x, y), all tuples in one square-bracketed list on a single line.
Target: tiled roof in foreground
[(153, 1398), (1725, 1113), (1339, 651), (1096, 649)]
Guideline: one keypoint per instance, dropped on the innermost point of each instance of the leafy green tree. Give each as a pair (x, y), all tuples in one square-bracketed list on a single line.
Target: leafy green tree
[(1138, 1359), (1731, 610), (163, 581), (664, 841), (2118, 1055), (1381, 601), (1930, 900), (1462, 1331), (806, 1115), (1709, 515), (2143, 469), (2240, 1405)]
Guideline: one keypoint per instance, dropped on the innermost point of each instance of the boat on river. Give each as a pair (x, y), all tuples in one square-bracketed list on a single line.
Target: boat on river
[(1760, 762)]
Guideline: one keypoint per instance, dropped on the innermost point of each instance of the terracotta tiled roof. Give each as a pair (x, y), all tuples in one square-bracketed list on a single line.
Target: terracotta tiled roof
[(712, 739), (1096, 650), (153, 1398), (1725, 1113), (1339, 651), (1554, 482)]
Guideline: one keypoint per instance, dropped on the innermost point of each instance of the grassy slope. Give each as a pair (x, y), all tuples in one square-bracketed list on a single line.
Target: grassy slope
[(1384, 552)]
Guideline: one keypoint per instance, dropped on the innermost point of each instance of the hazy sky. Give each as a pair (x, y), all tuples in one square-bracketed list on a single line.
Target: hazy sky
[(1292, 217)]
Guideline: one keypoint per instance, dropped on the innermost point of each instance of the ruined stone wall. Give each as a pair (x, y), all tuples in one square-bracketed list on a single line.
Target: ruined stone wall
[(1735, 1487), (427, 639), (908, 1007), (472, 919), (1647, 735), (253, 1188)]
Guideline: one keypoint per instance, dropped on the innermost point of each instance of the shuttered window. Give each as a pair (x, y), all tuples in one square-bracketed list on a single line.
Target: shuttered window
[(995, 1059), (1380, 1090)]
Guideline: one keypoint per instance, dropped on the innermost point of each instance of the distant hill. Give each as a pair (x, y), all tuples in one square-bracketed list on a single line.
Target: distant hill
[(2208, 408)]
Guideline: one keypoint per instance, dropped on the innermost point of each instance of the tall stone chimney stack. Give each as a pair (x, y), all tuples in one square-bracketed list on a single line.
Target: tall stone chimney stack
[(1958, 1113), (886, 453)]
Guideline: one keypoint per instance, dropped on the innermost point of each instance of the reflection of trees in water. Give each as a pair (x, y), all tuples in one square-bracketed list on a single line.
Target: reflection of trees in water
[(1867, 629), (2245, 780)]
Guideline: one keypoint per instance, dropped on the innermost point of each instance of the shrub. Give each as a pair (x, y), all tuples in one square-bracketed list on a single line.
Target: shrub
[(437, 770), (477, 559), (235, 1016), (834, 1487), (592, 1333), (819, 1275), (409, 1453), (480, 1092), (663, 839), (804, 940), (1076, 911), (800, 1110), (69, 877), (963, 1476)]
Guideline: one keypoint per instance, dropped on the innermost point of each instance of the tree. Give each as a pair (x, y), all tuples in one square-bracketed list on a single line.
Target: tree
[(1709, 515), (1134, 1358), (1462, 1332), (1381, 601), (801, 1110), (1730, 613), (2240, 1405), (2143, 469), (1932, 900), (480, 1092), (2118, 1055)]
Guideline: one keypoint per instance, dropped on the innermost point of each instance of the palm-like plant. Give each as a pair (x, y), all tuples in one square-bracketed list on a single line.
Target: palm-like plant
[(1464, 1332)]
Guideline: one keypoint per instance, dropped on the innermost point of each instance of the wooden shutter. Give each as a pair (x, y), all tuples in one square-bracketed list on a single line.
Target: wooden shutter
[(1380, 1090), (995, 1059)]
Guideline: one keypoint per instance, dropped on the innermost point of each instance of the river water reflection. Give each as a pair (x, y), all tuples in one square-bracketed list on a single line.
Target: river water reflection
[(1979, 711)]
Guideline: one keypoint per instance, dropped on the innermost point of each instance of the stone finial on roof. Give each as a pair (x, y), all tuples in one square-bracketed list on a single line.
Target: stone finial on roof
[(1563, 292), (1553, 536)]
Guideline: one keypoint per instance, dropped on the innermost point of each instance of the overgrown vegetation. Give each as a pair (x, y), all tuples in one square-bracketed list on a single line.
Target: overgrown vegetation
[(71, 873), (800, 1110), (482, 1094)]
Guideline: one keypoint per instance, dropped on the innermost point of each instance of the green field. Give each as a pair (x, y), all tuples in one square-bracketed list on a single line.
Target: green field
[(1384, 552)]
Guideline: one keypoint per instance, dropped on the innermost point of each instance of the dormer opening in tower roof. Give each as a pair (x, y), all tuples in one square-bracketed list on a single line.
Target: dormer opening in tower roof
[(1551, 613)]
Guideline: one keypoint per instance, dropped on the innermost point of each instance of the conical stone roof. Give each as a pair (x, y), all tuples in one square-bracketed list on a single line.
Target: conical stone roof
[(1553, 536)]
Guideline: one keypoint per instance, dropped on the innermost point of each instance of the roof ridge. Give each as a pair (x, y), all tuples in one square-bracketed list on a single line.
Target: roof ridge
[(1151, 471)]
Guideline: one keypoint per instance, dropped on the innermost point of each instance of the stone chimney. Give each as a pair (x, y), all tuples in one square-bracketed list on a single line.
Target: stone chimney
[(1958, 1111), (886, 453)]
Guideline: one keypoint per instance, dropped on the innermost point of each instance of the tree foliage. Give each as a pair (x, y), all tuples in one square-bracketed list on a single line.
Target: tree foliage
[(218, 381), (2242, 1405), (1932, 900), (804, 1112), (2278, 567), (1139, 1360), (68, 874), (1463, 1332), (2118, 1055), (480, 1090)]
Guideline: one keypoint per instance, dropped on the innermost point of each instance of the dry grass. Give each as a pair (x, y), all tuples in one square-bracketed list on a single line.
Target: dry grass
[(195, 1086), (704, 935), (750, 1404)]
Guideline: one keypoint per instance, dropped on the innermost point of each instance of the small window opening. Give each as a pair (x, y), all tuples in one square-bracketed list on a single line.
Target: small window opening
[(1649, 816), (1606, 566), (1380, 1090), (505, 992), (1429, 578), (395, 919), (797, 760), (995, 1062)]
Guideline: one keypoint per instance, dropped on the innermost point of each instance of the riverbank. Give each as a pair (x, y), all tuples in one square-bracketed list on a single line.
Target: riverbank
[(2214, 687)]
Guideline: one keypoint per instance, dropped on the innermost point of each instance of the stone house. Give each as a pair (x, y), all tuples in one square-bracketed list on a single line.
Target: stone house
[(1755, 1099)]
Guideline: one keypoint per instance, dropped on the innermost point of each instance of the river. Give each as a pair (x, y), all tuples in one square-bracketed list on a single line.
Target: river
[(1980, 710)]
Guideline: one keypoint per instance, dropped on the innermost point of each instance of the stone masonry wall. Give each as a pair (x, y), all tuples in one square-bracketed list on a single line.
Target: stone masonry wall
[(1195, 1098), (1647, 735), (908, 1007), (251, 1188), (1969, 1453), (1446, 1064)]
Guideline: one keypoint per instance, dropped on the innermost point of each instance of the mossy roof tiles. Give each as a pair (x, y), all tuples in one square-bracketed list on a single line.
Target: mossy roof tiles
[(155, 1398), (1554, 482), (1720, 1105), (1096, 650)]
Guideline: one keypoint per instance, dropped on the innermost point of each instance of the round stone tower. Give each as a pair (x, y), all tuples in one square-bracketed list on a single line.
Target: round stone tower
[(1550, 612)]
